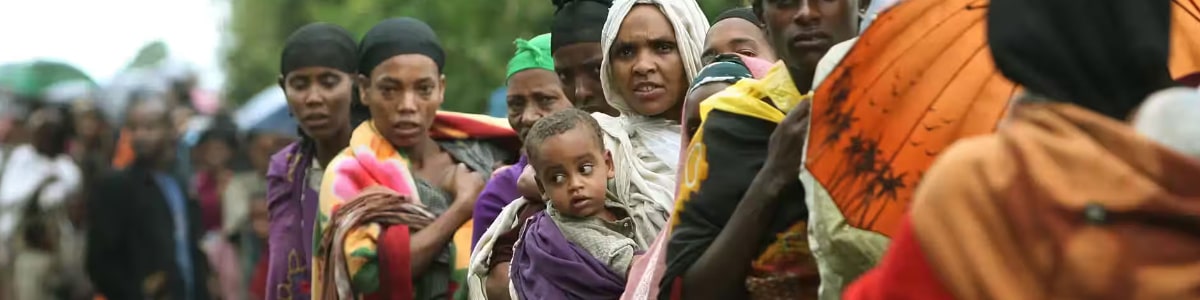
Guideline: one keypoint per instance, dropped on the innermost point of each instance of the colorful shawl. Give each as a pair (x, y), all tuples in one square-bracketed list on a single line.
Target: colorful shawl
[(736, 126), (548, 266), (292, 204), (1060, 203), (375, 254)]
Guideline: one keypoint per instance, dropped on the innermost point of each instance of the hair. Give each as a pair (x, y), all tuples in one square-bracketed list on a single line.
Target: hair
[(143, 96), (556, 124)]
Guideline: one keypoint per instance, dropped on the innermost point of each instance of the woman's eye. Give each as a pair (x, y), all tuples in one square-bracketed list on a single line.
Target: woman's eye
[(665, 47), (625, 52)]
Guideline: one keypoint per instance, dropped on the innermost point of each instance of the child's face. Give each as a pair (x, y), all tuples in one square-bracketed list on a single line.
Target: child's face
[(573, 169)]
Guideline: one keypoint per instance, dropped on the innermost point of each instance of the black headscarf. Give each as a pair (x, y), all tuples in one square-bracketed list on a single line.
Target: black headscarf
[(1104, 55), (319, 45), (398, 36), (578, 21), (744, 13)]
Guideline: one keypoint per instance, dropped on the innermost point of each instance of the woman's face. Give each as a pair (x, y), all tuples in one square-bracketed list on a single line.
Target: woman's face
[(533, 94), (578, 68), (646, 64), (319, 98), (403, 94), (736, 35)]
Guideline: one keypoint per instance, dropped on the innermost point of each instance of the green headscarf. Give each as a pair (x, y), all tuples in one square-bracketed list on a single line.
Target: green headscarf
[(534, 53)]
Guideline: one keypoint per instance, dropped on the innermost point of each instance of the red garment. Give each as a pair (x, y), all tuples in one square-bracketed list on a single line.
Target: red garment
[(208, 191), (904, 273), (394, 255), (258, 281)]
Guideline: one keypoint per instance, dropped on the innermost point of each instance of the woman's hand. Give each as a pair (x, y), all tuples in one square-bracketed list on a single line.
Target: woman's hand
[(785, 150), (527, 185)]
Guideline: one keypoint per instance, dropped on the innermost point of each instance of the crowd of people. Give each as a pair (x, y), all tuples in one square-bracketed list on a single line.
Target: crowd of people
[(647, 153)]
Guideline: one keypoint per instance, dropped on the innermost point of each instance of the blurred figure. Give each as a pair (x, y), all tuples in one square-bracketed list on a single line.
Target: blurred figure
[(38, 183), (236, 198), (94, 140), (144, 233), (213, 155), (737, 31), (577, 53)]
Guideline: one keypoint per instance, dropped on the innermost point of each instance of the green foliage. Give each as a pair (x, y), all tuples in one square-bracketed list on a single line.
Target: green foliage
[(477, 36), (150, 55)]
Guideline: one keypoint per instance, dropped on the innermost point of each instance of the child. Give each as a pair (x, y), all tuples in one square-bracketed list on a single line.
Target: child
[(567, 152)]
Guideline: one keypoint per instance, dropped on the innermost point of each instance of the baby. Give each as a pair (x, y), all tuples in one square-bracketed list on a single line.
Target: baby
[(567, 152)]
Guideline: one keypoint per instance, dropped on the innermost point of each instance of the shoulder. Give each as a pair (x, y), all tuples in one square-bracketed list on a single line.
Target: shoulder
[(965, 172), (281, 161)]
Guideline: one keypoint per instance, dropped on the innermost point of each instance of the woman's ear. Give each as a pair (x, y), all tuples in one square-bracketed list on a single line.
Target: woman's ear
[(612, 172), (363, 84)]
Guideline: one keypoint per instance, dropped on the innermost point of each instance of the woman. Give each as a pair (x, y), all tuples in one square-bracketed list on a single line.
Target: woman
[(534, 91), (652, 53), (316, 75), (430, 164), (1062, 201)]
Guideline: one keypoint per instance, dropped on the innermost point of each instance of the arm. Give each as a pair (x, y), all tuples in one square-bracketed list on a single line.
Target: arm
[(491, 202), (498, 282), (720, 271), (427, 243), (106, 263)]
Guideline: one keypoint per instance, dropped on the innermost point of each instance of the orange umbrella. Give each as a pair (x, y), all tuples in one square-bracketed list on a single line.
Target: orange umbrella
[(918, 80)]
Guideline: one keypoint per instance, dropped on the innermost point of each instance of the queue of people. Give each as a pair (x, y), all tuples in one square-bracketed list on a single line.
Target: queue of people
[(647, 154)]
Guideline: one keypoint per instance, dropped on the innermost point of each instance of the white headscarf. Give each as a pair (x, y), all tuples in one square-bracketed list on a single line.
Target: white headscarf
[(645, 149)]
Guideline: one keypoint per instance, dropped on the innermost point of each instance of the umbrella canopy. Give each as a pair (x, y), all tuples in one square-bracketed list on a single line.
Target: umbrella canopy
[(266, 112), (921, 78), (31, 79)]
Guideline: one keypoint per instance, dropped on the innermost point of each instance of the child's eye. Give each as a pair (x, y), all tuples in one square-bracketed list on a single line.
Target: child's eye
[(559, 178), (586, 169)]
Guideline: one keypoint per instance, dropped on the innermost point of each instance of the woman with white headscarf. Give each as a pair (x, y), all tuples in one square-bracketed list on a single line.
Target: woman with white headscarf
[(652, 52)]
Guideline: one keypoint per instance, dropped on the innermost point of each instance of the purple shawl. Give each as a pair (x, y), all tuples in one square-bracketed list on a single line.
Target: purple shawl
[(293, 208), (499, 192), (547, 266)]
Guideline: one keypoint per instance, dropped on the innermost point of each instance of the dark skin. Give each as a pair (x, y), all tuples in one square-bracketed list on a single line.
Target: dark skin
[(647, 66), (403, 94), (578, 68), (813, 26), (801, 31), (319, 98), (153, 134), (532, 95), (692, 104), (736, 35)]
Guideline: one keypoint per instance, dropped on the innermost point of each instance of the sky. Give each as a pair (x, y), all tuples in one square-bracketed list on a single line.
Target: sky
[(102, 36)]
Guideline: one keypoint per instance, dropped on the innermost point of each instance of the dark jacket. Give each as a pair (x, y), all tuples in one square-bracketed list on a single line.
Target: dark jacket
[(131, 243)]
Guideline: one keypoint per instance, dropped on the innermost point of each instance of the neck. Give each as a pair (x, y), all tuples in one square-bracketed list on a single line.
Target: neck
[(425, 149), (802, 77), (329, 148)]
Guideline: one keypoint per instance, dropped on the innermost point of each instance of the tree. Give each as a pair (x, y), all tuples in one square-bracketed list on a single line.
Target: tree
[(477, 36)]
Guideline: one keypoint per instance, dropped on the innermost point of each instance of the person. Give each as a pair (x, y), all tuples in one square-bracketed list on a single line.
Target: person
[(737, 31), (317, 70), (434, 165), (214, 153), (534, 92), (576, 28), (236, 199), (581, 231), (143, 238), (752, 133), (1064, 198), (37, 187)]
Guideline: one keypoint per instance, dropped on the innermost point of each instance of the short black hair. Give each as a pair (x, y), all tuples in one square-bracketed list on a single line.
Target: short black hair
[(144, 96), (557, 123)]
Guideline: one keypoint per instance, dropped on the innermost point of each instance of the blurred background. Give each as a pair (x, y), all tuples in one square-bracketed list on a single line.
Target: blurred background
[(228, 50)]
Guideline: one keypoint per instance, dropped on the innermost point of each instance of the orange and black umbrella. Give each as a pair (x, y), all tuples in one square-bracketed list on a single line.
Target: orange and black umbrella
[(921, 78)]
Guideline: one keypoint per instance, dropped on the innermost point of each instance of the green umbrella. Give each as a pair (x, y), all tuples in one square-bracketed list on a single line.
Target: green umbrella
[(30, 79)]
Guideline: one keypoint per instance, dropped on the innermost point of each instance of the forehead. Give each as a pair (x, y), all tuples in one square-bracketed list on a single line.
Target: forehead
[(149, 111), (731, 28), (533, 80), (406, 67), (576, 54), (568, 146), (312, 71), (645, 22)]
